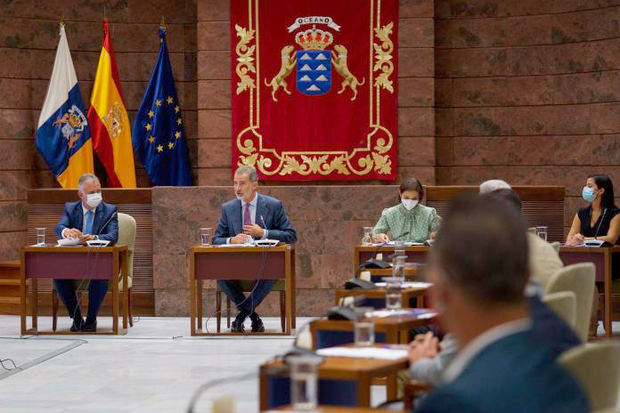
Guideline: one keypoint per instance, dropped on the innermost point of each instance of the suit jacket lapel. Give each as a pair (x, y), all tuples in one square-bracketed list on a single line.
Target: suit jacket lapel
[(97, 221), (78, 216), (238, 219), (261, 211)]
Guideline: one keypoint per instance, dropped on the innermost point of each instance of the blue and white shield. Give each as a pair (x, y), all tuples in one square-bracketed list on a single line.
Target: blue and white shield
[(314, 72)]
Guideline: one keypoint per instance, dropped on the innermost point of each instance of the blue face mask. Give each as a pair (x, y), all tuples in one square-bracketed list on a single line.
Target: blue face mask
[(588, 194)]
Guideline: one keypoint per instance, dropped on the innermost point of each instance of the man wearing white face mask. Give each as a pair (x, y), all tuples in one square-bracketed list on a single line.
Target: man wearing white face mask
[(409, 221), (87, 219)]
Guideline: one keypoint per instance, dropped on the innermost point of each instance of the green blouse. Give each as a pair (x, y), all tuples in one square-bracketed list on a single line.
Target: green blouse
[(409, 226)]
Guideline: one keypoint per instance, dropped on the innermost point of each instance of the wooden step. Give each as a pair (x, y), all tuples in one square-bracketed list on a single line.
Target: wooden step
[(10, 300), (10, 281)]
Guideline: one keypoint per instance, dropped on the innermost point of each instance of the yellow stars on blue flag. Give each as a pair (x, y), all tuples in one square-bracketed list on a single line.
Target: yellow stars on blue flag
[(158, 133)]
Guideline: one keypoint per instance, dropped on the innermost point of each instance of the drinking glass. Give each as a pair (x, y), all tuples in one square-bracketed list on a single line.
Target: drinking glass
[(40, 237), (304, 382), (542, 232), (393, 296), (364, 332), (367, 238), (205, 237), (399, 249), (398, 267)]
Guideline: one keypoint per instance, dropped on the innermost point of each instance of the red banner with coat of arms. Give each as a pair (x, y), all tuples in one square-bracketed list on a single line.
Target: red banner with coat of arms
[(314, 87)]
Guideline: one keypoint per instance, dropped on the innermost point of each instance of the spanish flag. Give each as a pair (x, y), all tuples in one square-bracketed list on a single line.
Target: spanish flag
[(109, 123)]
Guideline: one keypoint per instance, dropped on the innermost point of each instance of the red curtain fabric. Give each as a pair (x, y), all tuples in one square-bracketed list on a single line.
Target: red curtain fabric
[(314, 88)]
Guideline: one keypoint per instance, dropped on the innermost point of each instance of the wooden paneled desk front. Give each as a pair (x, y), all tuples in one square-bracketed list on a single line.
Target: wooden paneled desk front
[(357, 370), (601, 257), (396, 328), (415, 254), (73, 263), (379, 293), (240, 263)]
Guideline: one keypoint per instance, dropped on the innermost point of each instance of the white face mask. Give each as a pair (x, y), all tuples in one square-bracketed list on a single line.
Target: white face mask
[(409, 204), (93, 200)]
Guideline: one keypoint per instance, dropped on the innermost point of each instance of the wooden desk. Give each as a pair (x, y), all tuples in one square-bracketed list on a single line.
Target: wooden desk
[(379, 293), (396, 329), (73, 263), (358, 371), (602, 260), (414, 255), (240, 263)]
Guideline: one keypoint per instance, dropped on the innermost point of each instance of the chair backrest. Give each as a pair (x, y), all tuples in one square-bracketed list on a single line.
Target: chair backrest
[(596, 366), (578, 278), (564, 304), (127, 236)]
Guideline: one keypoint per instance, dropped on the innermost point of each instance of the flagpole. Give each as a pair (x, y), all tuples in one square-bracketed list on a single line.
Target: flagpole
[(162, 25)]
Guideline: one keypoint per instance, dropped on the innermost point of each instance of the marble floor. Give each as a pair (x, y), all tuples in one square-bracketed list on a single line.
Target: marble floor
[(156, 367)]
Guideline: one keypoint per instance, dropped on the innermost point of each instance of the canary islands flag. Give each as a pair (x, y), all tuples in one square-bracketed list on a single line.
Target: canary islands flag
[(109, 123), (158, 133), (63, 134)]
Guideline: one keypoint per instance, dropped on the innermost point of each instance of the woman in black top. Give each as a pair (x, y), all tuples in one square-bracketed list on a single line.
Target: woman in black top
[(600, 221)]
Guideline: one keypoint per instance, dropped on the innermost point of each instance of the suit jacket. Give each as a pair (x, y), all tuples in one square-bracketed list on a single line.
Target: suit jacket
[(513, 374), (272, 211), (105, 223)]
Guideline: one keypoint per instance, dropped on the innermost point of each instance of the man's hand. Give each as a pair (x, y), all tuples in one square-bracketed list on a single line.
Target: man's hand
[(86, 237), (239, 239), (423, 346), (253, 230), (72, 233), (380, 238)]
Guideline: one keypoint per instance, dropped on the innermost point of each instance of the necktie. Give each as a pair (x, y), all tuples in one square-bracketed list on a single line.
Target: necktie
[(247, 218), (89, 223)]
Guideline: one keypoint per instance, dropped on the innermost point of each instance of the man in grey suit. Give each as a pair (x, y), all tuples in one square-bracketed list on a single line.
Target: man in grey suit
[(250, 216), (479, 270)]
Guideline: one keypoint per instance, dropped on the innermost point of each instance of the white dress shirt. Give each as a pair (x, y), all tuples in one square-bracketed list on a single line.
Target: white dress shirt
[(467, 354)]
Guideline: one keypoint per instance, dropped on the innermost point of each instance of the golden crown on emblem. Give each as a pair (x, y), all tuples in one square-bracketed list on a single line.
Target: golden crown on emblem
[(314, 39)]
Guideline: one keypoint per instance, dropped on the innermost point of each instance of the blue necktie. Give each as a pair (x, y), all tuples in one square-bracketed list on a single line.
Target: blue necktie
[(89, 222)]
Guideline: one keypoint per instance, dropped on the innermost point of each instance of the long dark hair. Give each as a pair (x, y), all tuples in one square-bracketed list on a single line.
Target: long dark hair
[(604, 181)]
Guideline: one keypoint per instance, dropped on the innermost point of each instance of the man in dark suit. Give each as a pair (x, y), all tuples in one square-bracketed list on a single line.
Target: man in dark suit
[(250, 216), (87, 219), (479, 267)]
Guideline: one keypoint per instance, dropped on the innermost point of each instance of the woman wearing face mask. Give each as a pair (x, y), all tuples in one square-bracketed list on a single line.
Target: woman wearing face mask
[(600, 221), (409, 221)]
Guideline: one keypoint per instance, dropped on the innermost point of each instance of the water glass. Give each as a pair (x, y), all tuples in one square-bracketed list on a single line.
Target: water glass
[(367, 238), (40, 237), (304, 382), (542, 232), (399, 249), (393, 296), (398, 267), (205, 237), (364, 332)]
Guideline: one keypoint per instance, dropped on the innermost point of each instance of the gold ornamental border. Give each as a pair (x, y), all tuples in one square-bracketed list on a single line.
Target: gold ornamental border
[(361, 160)]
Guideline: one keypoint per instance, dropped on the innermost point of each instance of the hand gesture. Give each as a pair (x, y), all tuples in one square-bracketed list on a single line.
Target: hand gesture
[(253, 230)]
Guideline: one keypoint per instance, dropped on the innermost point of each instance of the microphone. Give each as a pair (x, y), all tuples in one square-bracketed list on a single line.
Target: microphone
[(264, 225), (600, 223), (107, 222)]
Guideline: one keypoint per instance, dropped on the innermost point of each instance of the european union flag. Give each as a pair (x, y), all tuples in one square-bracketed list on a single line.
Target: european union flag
[(158, 134)]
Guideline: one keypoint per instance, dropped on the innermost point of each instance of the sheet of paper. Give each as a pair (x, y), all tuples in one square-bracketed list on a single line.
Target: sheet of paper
[(235, 245), (421, 313), (404, 244), (364, 352), (408, 284)]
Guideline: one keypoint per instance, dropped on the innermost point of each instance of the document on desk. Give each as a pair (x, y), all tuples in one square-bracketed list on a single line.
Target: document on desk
[(235, 246), (407, 284), (364, 352), (419, 312), (403, 244)]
